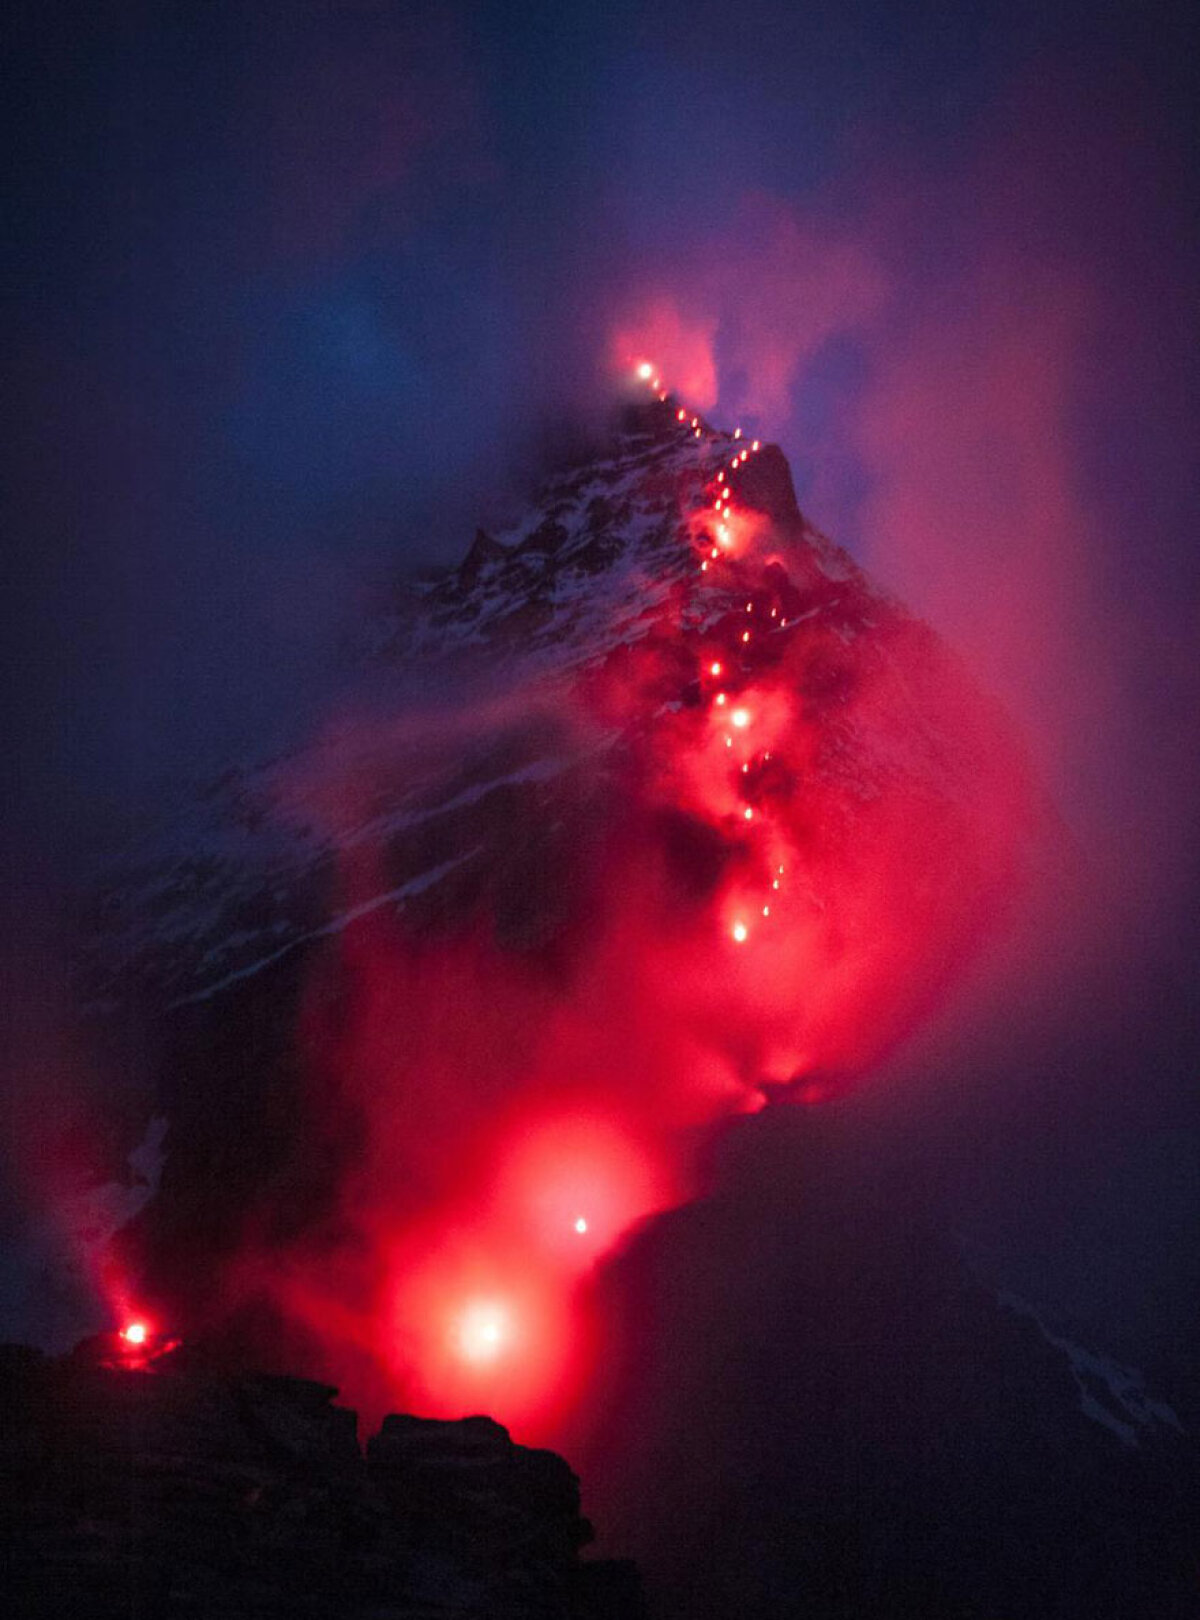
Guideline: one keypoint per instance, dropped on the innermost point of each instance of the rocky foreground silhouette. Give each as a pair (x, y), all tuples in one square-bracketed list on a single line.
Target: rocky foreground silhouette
[(174, 1489)]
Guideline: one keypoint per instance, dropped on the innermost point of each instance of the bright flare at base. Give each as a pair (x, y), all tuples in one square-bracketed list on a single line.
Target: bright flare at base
[(482, 1332)]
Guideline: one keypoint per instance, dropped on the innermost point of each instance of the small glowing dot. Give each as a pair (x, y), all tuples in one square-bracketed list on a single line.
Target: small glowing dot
[(745, 768), (704, 568), (723, 535), (721, 477), (781, 871), (749, 607), (737, 433), (696, 434), (721, 700), (745, 635), (740, 718), (645, 371), (135, 1333), (695, 421), (740, 932), (748, 813), (681, 415), (714, 669), (775, 884), (766, 911), (581, 1226), (715, 552), (656, 384), (774, 613), (729, 742), (755, 445)]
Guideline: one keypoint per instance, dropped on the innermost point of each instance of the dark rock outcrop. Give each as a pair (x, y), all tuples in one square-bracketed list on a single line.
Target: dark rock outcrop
[(173, 1490)]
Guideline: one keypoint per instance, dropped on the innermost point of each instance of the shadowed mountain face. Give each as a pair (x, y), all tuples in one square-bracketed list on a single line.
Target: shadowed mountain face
[(836, 1419)]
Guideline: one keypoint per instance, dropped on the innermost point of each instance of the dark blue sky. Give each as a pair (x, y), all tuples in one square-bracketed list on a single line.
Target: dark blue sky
[(296, 292)]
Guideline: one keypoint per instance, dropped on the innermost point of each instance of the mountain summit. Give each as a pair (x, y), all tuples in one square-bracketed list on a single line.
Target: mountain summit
[(679, 814)]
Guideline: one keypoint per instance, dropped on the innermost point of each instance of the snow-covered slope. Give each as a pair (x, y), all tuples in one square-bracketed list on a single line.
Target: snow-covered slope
[(613, 556)]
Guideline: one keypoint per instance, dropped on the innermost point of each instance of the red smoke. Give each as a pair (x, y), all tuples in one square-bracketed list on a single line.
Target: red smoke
[(761, 887)]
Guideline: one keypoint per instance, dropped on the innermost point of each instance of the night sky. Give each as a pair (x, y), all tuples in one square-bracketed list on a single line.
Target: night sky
[(298, 293)]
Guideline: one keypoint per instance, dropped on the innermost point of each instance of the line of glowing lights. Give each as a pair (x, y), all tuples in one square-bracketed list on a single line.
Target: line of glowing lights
[(721, 497)]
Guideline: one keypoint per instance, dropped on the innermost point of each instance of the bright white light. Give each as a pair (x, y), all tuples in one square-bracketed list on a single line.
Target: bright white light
[(482, 1331), (740, 932), (135, 1333), (714, 669), (755, 445), (581, 1226), (740, 718), (645, 371), (748, 813), (720, 699)]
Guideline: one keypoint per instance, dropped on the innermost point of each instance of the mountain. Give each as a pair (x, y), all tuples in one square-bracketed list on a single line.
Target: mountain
[(652, 820), (665, 809)]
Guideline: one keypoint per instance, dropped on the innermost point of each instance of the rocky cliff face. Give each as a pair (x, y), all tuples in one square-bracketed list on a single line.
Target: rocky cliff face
[(172, 1490)]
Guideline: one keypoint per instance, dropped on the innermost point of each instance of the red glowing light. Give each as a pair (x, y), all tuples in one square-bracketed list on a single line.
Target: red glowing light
[(737, 433), (581, 1225), (740, 718), (745, 635), (714, 669), (754, 446), (720, 698), (135, 1333), (748, 813), (740, 932), (482, 1331), (645, 371)]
